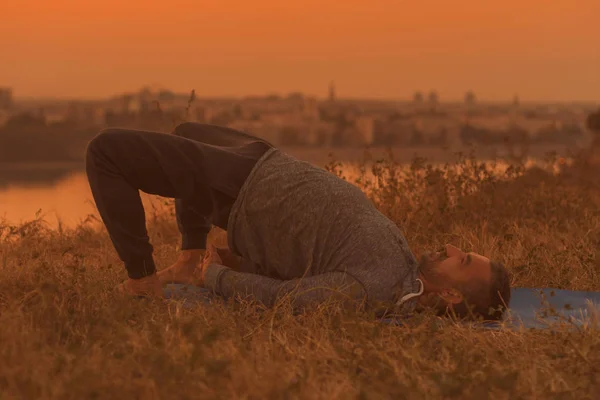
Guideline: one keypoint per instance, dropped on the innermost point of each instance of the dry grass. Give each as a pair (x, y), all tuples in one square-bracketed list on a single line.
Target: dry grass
[(64, 335)]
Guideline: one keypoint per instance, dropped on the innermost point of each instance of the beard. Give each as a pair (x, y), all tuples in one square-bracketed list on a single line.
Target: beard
[(429, 267)]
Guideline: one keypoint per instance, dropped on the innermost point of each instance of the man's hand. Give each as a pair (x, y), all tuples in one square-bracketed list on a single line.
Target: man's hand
[(189, 268), (210, 257), (229, 259)]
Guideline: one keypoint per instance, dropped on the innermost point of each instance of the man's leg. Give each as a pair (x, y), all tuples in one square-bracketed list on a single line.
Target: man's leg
[(192, 224), (121, 162)]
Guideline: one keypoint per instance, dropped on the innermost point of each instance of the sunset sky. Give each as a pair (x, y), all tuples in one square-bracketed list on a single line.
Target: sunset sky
[(542, 50)]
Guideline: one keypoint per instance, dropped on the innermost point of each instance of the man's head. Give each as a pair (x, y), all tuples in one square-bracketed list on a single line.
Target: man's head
[(468, 285)]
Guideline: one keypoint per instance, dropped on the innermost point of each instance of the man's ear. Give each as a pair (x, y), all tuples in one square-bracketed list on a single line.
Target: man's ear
[(451, 296)]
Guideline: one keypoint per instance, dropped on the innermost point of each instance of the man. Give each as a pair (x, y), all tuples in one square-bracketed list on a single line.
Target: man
[(301, 231)]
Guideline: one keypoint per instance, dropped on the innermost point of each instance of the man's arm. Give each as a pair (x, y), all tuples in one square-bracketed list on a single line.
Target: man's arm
[(304, 292)]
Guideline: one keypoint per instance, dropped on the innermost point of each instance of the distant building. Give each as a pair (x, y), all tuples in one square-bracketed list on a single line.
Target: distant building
[(332, 95), (51, 116), (127, 103), (418, 97), (470, 98), (266, 131), (311, 109), (145, 95), (6, 98), (86, 113), (516, 101), (365, 127), (433, 98), (206, 114)]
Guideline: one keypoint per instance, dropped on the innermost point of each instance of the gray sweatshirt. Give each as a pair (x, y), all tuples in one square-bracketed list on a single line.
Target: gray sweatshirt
[(313, 236)]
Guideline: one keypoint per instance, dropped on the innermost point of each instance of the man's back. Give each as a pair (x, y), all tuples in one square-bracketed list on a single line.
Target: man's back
[(296, 220)]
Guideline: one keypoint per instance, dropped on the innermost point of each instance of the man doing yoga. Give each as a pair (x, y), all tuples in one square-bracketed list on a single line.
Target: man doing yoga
[(298, 229)]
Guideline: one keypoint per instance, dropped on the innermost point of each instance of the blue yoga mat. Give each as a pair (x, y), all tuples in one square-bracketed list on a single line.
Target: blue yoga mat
[(543, 308), (529, 308)]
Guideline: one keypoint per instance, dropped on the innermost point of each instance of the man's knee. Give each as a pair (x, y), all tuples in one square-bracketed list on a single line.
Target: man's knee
[(105, 138), (189, 130)]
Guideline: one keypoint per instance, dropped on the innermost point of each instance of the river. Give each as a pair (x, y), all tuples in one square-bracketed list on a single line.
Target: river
[(61, 193)]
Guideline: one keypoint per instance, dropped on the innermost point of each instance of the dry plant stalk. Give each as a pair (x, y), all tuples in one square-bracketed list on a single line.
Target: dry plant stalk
[(63, 334)]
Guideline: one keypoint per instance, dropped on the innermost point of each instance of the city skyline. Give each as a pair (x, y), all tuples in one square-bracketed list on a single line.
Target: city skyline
[(322, 97), (543, 52)]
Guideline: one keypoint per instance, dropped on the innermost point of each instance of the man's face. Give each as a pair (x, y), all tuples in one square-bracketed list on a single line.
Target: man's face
[(451, 268)]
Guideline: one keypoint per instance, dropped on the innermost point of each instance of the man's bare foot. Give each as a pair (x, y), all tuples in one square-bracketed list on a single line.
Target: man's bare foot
[(149, 286), (182, 271)]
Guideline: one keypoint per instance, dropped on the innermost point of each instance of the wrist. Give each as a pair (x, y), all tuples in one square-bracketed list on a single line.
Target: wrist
[(211, 276)]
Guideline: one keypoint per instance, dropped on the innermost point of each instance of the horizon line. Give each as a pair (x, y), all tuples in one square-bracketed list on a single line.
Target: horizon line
[(451, 100)]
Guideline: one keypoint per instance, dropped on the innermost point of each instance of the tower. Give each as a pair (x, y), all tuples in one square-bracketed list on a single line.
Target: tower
[(331, 91), (470, 98)]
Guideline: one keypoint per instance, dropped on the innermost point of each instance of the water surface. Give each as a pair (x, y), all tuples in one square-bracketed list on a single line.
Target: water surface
[(61, 192)]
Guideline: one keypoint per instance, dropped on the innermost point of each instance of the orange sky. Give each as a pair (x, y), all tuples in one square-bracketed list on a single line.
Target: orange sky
[(543, 50)]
